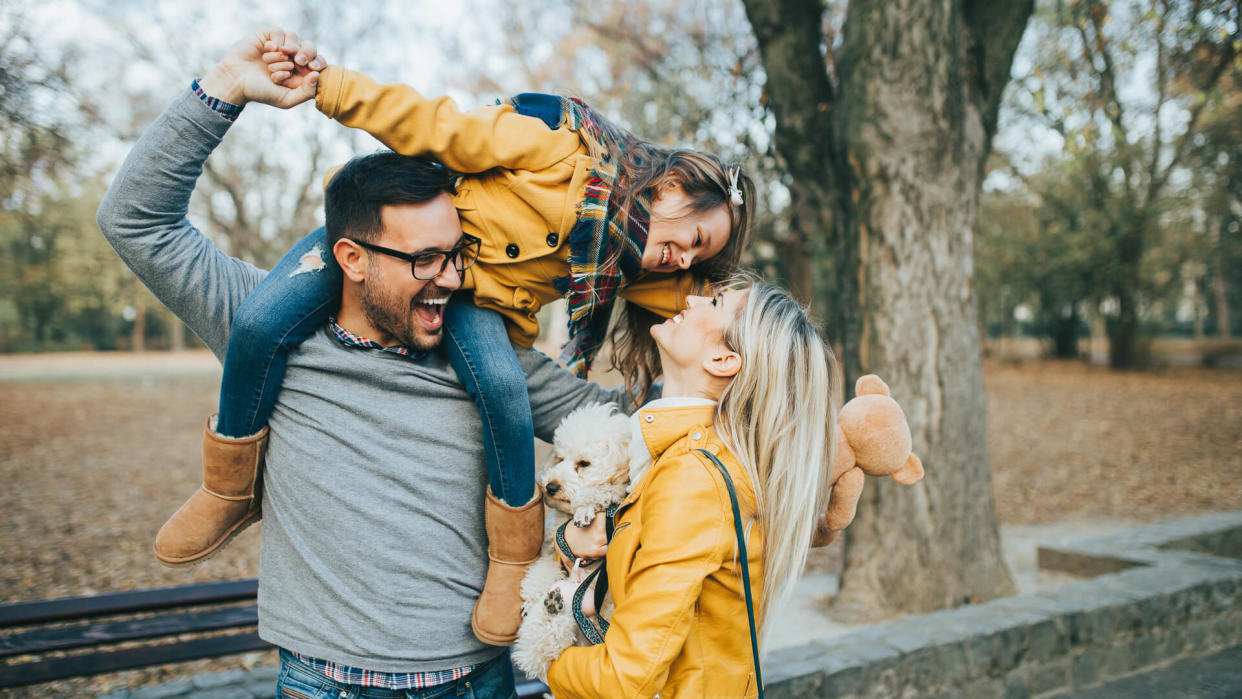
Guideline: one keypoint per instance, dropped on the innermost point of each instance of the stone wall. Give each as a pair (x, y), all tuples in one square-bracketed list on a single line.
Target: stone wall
[(1161, 593)]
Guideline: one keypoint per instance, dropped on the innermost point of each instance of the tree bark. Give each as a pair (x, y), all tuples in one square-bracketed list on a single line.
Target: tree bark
[(176, 332), (898, 148), (138, 336), (1218, 283), (1065, 335)]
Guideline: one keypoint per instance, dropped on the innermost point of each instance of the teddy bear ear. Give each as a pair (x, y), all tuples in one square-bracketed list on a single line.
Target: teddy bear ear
[(911, 472), (870, 385)]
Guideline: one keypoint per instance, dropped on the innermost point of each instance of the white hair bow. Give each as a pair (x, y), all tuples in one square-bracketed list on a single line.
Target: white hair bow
[(735, 194)]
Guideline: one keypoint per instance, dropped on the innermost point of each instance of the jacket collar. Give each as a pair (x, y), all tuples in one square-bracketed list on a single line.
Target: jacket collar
[(662, 427)]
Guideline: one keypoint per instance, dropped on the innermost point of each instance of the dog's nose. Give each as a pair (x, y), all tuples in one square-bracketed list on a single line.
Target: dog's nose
[(552, 488)]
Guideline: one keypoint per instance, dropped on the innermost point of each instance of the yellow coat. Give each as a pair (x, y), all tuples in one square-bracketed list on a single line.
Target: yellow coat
[(679, 628), (520, 193)]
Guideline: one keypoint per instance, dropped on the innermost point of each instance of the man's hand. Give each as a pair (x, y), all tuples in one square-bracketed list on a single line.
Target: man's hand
[(242, 75), (589, 542), (291, 67)]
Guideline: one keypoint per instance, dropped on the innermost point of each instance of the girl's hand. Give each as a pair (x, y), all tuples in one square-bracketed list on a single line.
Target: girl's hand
[(241, 76), (289, 62)]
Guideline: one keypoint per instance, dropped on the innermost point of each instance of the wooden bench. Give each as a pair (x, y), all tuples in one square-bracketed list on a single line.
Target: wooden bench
[(55, 639)]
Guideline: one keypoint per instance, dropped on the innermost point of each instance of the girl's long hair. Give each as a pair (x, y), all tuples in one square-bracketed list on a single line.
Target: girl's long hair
[(778, 418), (643, 167)]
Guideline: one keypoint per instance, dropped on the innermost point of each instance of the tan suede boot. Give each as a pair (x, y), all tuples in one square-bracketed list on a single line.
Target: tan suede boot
[(514, 537), (227, 502)]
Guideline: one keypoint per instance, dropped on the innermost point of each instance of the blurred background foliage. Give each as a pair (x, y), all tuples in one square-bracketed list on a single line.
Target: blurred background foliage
[(1112, 205)]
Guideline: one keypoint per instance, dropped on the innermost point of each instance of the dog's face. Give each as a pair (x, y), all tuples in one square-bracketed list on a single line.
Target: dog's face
[(590, 458)]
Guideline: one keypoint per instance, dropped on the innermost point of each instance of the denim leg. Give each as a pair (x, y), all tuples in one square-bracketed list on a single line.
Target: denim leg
[(288, 306), (492, 680), (479, 350)]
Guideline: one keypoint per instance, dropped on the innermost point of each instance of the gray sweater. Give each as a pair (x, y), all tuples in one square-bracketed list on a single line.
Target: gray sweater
[(373, 548)]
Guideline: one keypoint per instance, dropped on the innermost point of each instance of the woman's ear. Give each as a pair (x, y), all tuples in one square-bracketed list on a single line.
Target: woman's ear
[(723, 364), (349, 256)]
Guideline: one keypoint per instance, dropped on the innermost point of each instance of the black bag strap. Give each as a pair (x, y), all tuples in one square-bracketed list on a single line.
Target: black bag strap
[(741, 552), (594, 634)]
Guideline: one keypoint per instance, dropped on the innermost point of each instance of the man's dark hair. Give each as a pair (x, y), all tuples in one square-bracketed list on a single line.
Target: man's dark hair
[(366, 184)]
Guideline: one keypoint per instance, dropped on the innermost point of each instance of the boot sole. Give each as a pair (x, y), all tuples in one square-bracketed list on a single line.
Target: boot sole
[(490, 639), (212, 550)]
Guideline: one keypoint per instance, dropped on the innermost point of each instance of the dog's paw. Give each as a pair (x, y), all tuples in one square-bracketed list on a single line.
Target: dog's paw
[(554, 602), (583, 516)]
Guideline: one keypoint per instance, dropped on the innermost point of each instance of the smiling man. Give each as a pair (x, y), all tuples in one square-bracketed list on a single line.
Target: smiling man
[(400, 260), (374, 547)]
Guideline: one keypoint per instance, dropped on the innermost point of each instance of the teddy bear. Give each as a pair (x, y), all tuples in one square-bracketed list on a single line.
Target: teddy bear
[(588, 472), (873, 438)]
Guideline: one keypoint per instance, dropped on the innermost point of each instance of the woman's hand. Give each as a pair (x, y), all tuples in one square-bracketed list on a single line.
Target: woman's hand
[(589, 542)]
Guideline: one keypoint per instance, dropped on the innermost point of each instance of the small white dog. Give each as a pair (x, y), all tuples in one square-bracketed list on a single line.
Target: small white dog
[(588, 471)]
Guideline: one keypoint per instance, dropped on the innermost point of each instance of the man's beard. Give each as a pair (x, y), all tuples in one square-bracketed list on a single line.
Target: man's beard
[(392, 315)]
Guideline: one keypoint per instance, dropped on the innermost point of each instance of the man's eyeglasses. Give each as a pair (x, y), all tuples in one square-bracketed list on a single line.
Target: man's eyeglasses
[(429, 265)]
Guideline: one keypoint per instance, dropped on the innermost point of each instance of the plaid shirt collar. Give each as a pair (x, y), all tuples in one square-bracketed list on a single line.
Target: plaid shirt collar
[(350, 339)]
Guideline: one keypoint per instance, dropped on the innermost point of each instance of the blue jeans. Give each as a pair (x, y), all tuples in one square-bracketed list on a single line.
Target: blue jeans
[(491, 680), (296, 298)]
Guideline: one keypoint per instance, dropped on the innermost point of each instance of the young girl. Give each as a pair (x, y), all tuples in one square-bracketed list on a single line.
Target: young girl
[(565, 204)]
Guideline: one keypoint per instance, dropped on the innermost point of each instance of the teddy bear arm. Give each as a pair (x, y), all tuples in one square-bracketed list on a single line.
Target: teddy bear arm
[(823, 535), (844, 459), (843, 503)]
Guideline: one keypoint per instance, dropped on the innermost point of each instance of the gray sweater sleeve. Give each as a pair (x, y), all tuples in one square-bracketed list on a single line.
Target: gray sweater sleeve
[(555, 392), (143, 217)]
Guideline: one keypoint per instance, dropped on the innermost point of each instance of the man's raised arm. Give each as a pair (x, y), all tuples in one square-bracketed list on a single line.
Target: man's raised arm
[(143, 215)]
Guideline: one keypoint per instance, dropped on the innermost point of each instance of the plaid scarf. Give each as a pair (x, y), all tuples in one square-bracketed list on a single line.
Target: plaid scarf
[(607, 240)]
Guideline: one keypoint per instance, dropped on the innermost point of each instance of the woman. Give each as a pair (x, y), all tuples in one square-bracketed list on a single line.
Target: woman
[(748, 378)]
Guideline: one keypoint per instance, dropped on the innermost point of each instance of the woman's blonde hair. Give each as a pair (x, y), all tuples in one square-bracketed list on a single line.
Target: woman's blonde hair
[(778, 418)]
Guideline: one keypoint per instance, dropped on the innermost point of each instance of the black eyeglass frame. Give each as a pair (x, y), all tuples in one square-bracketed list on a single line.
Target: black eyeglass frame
[(454, 253)]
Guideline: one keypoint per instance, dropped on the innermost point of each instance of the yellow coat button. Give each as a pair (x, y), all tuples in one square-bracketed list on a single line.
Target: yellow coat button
[(512, 250), (553, 239)]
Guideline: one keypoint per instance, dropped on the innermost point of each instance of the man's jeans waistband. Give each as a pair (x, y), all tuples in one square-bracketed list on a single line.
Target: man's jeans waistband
[(490, 680)]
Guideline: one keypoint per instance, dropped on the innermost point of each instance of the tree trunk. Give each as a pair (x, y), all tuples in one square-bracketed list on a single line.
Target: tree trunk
[(138, 337), (1218, 283), (1123, 333), (1065, 335), (176, 333), (1196, 307), (900, 149)]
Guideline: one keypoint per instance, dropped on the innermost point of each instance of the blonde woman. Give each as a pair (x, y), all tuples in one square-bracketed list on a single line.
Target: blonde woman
[(748, 378)]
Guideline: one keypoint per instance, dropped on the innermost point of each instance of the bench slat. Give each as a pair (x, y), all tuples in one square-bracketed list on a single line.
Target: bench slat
[(63, 638), (128, 659), (530, 689), (75, 608)]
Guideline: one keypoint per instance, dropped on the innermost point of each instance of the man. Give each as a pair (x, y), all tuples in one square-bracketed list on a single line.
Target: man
[(373, 548)]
